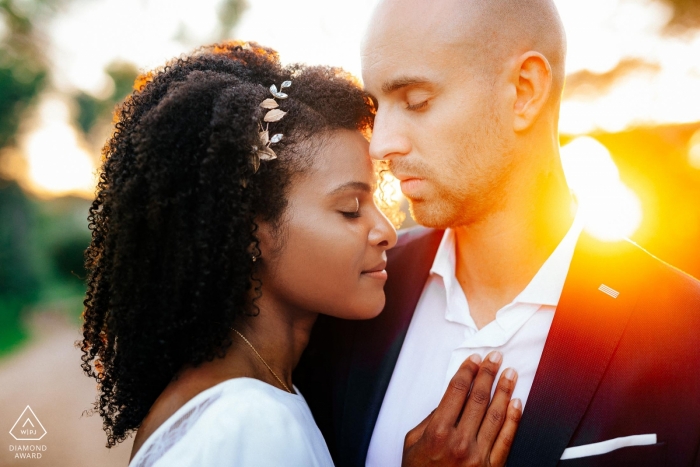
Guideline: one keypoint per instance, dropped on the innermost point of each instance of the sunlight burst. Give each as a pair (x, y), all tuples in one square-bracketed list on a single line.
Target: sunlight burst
[(57, 164), (610, 209)]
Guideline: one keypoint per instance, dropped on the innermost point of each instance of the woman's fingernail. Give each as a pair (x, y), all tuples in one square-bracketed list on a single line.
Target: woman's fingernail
[(509, 374), (495, 357), (517, 404), (476, 358)]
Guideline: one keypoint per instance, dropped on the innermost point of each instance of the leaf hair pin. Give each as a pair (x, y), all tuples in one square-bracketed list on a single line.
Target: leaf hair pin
[(264, 152)]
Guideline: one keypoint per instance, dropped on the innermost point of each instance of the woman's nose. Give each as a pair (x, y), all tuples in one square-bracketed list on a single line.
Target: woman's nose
[(383, 234)]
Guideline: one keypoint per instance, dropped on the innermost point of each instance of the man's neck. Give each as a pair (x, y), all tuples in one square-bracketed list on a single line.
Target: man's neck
[(497, 257)]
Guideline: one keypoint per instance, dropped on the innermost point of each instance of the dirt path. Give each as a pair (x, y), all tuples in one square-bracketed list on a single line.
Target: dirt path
[(46, 375)]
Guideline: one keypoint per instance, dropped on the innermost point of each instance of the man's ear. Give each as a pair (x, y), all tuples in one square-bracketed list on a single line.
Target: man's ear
[(533, 84)]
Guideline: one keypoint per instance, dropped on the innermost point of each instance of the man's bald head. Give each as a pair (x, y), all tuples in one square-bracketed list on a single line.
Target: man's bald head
[(468, 96), (512, 27), (485, 32)]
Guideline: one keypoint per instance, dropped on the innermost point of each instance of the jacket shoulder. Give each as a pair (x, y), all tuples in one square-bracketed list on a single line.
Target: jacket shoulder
[(417, 235), (672, 278), (666, 284)]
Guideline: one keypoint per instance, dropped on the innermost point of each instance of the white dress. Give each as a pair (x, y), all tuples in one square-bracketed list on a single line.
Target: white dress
[(239, 422)]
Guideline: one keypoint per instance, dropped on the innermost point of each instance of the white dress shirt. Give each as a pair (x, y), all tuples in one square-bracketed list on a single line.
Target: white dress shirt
[(442, 334)]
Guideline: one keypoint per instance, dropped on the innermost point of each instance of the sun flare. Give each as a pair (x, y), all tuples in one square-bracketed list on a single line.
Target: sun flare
[(57, 164), (610, 209)]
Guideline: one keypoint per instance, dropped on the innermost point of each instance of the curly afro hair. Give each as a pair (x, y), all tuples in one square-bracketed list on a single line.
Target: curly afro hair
[(173, 220)]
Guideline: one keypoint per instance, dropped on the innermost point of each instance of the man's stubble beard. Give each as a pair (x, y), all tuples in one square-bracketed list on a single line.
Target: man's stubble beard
[(441, 211), (468, 199)]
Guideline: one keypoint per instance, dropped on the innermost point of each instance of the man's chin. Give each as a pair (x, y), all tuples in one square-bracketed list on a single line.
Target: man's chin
[(428, 214)]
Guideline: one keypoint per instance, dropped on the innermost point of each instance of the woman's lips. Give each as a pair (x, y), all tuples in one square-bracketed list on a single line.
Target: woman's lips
[(380, 275), (377, 272)]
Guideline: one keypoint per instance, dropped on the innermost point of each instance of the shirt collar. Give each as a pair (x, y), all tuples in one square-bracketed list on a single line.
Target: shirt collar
[(444, 264), (545, 287)]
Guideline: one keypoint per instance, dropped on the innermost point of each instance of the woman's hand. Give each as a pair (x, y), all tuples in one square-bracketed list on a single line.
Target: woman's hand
[(465, 430)]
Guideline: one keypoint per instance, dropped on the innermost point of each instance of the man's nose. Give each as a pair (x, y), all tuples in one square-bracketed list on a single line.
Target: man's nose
[(388, 139)]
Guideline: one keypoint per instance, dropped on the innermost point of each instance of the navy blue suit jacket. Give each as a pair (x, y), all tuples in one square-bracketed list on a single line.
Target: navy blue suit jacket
[(611, 367)]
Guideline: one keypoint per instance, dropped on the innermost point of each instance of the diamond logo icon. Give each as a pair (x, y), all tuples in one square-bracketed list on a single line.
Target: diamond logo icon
[(28, 427)]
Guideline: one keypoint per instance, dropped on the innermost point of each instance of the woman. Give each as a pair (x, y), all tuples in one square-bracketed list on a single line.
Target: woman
[(229, 214)]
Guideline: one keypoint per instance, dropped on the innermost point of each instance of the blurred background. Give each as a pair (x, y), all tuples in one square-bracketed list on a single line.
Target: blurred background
[(630, 134)]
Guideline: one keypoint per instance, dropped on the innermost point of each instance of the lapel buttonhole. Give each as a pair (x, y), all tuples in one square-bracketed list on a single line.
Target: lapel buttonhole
[(608, 291)]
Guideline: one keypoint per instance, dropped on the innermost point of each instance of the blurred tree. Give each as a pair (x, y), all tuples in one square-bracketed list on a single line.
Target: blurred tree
[(18, 276), (42, 242), (65, 235), (95, 114), (686, 13), (23, 63), (24, 72), (20, 83), (92, 110), (19, 271), (230, 12)]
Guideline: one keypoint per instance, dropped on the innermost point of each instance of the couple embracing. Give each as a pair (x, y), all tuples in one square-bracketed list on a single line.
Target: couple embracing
[(250, 304)]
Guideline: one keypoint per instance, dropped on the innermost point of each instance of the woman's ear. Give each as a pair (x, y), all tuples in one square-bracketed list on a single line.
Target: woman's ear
[(268, 241), (533, 87)]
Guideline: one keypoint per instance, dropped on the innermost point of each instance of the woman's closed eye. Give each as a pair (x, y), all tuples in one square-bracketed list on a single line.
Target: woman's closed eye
[(354, 212)]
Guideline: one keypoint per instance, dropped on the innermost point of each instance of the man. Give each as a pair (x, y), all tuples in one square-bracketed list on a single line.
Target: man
[(602, 335)]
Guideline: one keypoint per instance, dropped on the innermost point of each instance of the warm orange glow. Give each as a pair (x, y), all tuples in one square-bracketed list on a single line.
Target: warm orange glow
[(694, 151), (610, 209)]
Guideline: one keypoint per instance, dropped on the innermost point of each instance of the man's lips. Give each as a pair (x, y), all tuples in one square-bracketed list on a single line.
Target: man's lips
[(405, 177), (411, 186)]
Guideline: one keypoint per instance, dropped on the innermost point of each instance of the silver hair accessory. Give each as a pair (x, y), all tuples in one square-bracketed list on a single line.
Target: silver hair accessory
[(263, 152)]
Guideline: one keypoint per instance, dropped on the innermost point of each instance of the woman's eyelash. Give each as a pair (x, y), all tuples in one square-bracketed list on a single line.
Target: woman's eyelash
[(353, 214), (417, 106)]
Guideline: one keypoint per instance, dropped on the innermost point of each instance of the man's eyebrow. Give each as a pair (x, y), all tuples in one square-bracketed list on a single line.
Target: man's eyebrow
[(398, 83), (361, 186)]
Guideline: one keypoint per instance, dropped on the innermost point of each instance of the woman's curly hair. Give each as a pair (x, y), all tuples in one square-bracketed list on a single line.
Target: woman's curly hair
[(173, 220)]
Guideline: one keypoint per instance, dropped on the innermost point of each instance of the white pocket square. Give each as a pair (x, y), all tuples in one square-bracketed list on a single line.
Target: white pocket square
[(607, 446)]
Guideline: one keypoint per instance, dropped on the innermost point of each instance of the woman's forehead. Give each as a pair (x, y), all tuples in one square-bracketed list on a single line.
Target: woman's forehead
[(343, 159)]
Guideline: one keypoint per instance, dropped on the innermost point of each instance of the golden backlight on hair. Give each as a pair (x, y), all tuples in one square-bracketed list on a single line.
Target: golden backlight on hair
[(388, 195)]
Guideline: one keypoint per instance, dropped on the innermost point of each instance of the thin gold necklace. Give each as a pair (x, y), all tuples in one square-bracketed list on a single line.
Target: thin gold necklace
[(263, 360)]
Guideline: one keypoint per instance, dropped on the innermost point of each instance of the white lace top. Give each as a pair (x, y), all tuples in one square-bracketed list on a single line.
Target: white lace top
[(240, 422)]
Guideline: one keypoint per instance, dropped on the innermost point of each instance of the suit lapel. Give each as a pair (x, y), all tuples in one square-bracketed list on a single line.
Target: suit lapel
[(587, 326), (377, 342)]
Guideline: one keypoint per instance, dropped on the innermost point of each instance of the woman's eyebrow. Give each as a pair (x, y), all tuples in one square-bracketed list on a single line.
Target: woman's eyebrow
[(360, 186)]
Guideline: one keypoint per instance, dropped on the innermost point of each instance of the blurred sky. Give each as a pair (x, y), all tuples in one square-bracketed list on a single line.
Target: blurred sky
[(601, 35), (624, 69)]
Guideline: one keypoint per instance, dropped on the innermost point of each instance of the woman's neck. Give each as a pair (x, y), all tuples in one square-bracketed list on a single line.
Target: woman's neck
[(278, 335)]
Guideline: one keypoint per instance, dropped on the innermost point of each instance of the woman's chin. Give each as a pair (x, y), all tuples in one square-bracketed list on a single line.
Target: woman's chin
[(368, 310)]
